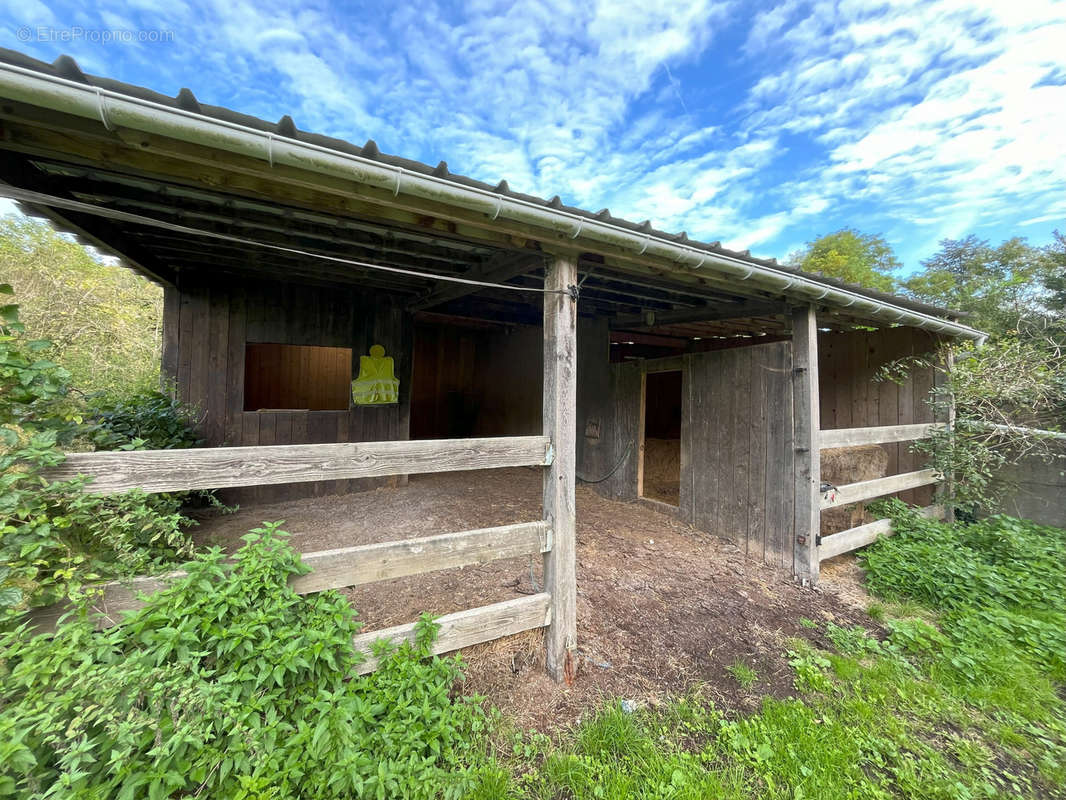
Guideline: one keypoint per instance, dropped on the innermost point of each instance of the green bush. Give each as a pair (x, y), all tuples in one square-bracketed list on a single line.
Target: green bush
[(999, 579), (229, 684), (145, 419), (102, 320), (54, 538)]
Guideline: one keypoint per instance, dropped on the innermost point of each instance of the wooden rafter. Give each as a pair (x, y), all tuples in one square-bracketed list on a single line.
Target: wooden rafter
[(708, 313), (500, 268)]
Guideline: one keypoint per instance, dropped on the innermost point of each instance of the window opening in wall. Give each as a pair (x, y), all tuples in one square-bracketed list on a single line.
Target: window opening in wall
[(296, 377)]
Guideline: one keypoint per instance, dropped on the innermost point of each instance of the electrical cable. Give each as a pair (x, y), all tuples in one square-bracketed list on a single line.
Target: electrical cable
[(28, 196)]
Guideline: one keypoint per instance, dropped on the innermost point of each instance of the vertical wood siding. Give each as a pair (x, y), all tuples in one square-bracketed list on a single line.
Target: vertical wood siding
[(207, 324), (852, 397), (739, 454), (737, 459)]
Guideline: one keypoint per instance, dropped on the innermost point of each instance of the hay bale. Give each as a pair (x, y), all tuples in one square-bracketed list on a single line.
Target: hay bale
[(841, 465), (662, 470)]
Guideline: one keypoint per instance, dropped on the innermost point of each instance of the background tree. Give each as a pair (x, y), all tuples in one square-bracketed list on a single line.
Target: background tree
[(860, 258), (1055, 278), (1000, 287), (104, 321), (1010, 393)]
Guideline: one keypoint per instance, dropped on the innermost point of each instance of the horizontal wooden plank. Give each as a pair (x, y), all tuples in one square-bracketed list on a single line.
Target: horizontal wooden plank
[(465, 628), (878, 487), (853, 437), (854, 538), (664, 364), (353, 566), (225, 467), (335, 569)]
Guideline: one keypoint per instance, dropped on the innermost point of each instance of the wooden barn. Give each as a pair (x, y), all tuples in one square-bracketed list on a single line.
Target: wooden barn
[(521, 331)]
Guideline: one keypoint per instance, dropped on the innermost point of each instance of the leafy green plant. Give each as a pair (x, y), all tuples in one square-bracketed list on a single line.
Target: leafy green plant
[(145, 419), (810, 665), (996, 578), (1009, 397), (102, 321), (229, 684), (54, 537)]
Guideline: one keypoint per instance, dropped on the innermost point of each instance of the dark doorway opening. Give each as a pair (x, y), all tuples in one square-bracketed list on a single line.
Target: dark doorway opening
[(660, 447)]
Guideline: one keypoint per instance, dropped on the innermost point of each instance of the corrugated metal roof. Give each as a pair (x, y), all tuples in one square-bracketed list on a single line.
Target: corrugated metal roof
[(67, 68)]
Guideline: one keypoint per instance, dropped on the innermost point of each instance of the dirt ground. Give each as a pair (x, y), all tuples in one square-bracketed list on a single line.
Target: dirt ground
[(662, 608)]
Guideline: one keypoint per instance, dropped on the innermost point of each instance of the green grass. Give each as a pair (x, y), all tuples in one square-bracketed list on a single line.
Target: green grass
[(745, 675), (962, 700), (229, 684)]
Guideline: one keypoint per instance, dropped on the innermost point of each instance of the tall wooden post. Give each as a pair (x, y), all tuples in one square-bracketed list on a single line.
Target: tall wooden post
[(944, 408), (560, 425), (806, 427)]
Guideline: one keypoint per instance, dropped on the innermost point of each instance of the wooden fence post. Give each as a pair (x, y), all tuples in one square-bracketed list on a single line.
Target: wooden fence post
[(560, 426), (946, 414), (806, 425)]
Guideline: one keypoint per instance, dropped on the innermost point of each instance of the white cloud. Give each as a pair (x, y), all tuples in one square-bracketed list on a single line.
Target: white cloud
[(936, 115), (817, 114)]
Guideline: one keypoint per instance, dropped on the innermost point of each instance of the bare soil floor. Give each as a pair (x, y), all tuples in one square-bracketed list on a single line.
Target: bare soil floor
[(663, 609)]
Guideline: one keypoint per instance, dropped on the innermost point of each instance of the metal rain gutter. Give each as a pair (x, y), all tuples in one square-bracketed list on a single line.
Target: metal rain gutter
[(116, 110)]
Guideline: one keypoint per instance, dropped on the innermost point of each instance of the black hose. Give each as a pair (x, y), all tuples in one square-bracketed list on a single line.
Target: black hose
[(617, 467)]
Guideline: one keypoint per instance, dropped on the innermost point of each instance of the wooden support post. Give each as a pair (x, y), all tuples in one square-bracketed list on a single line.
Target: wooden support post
[(806, 426), (560, 426), (944, 404)]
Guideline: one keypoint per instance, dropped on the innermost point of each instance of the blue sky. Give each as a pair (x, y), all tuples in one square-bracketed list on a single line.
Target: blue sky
[(761, 125)]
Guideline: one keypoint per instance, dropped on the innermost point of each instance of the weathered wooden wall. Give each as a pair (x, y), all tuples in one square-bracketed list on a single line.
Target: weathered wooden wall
[(738, 457), (208, 322), (852, 397), (476, 381), (444, 402), (510, 383), (620, 431), (736, 450), (594, 406), (488, 382)]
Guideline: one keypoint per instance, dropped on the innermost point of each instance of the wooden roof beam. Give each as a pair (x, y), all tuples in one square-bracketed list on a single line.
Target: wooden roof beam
[(715, 313), (499, 268)]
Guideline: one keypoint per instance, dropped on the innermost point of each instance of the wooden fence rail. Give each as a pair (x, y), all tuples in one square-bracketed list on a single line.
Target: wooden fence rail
[(468, 627), (845, 541), (885, 434), (336, 569), (878, 487), (862, 535), (226, 467)]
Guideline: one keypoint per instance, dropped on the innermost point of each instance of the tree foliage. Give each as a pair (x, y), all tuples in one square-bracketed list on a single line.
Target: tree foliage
[(1009, 396), (1010, 389), (1055, 277), (999, 287), (860, 258), (103, 321), (54, 537)]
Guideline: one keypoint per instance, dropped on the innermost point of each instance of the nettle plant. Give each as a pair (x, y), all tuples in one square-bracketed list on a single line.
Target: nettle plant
[(229, 684), (55, 539), (996, 581)]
